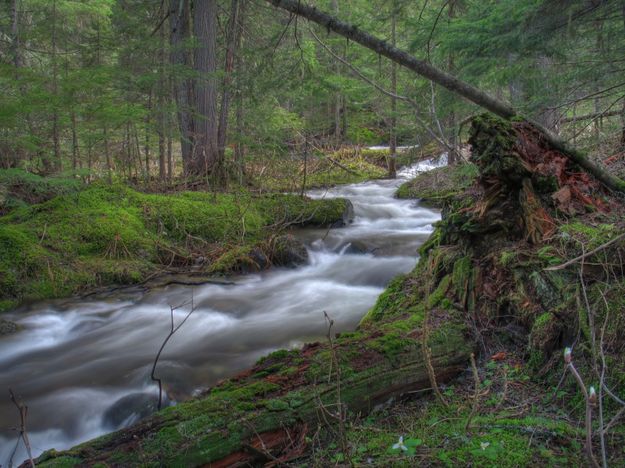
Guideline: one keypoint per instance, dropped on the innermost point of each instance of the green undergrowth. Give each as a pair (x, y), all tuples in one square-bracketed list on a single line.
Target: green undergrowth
[(439, 185), (321, 171), (104, 235), (19, 188), (489, 432)]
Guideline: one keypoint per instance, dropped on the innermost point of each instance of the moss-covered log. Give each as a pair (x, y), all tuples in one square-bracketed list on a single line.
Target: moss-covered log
[(265, 413)]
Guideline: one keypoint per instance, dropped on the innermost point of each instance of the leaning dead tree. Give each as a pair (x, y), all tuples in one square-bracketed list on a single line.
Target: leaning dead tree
[(446, 80)]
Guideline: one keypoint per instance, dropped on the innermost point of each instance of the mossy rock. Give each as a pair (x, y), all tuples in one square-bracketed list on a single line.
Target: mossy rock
[(7, 327)]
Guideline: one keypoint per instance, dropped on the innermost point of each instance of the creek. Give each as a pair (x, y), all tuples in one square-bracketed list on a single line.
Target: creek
[(83, 365)]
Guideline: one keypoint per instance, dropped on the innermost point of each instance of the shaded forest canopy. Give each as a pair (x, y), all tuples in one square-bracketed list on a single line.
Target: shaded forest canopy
[(142, 90), (139, 138)]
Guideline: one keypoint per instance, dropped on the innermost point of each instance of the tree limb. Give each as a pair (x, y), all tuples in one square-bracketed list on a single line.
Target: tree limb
[(445, 80)]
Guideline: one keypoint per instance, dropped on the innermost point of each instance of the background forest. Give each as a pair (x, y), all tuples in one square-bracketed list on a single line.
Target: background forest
[(126, 90)]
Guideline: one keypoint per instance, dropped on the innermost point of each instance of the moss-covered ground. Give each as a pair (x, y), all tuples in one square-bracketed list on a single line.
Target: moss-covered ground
[(514, 423), (439, 185), (345, 166), (100, 235)]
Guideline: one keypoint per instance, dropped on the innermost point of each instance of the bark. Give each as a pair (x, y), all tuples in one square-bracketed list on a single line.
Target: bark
[(453, 154), (392, 171), (264, 406), (338, 97), (15, 36), (239, 147), (162, 116), (446, 80), (107, 155), (233, 39), (623, 127), (180, 31), (13, 160), (205, 157), (75, 148), (146, 147), (58, 166), (623, 110)]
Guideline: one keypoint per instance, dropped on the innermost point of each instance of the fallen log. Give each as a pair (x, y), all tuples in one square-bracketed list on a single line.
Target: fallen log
[(264, 413), (446, 80)]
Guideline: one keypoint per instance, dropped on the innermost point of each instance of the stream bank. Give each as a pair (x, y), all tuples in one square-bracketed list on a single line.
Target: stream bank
[(99, 350), (107, 235)]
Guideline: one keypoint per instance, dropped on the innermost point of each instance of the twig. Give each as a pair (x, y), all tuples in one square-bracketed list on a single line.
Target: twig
[(173, 330), (589, 403), (23, 409), (613, 421), (340, 416), (587, 254), (476, 395), (345, 168), (384, 91)]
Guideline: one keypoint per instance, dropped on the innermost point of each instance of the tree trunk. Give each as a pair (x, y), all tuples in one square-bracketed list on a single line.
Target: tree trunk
[(146, 147), (623, 110), (162, 91), (15, 35), (234, 33), (453, 154), (129, 159), (622, 142), (58, 165), (14, 159), (180, 27), (107, 154), (338, 97), (446, 80), (239, 147), (392, 170), (75, 149), (206, 152)]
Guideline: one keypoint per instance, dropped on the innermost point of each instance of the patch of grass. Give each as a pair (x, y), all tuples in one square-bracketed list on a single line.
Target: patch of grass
[(437, 186), (20, 188)]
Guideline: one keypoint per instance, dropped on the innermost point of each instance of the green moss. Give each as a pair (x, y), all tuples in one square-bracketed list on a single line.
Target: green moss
[(548, 256), (433, 241), (545, 332), (439, 293), (62, 462), (507, 257), (461, 277), (391, 344), (19, 188), (323, 171), (386, 302), (106, 235), (438, 186)]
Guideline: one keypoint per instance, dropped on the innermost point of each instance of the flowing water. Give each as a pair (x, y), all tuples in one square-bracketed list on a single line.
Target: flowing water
[(83, 366)]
